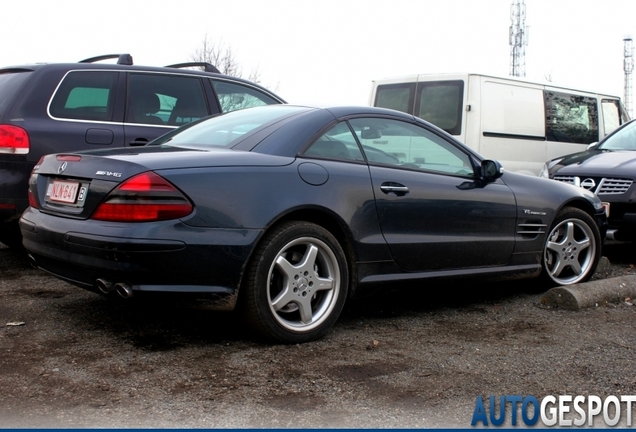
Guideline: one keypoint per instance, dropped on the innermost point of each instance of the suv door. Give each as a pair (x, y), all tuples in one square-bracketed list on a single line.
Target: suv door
[(157, 103)]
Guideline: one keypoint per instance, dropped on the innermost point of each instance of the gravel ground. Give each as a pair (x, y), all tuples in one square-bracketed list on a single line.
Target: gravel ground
[(400, 356)]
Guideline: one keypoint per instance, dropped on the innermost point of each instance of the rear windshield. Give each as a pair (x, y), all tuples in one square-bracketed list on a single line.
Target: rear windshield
[(228, 129), (10, 83)]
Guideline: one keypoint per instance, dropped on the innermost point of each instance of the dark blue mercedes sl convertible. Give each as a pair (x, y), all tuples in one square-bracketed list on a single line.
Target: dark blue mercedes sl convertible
[(283, 212)]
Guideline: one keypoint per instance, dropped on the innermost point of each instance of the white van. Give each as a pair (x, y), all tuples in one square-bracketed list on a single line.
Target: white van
[(519, 123)]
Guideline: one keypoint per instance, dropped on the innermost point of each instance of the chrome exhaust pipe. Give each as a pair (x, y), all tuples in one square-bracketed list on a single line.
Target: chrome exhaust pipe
[(32, 261), (124, 290), (104, 286)]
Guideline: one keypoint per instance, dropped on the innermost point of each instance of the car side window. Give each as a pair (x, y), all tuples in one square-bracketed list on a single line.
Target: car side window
[(165, 99), (85, 95), (337, 143), (234, 96), (402, 144)]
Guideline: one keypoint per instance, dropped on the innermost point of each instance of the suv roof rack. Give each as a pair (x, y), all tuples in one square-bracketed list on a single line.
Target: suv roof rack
[(207, 67), (122, 59)]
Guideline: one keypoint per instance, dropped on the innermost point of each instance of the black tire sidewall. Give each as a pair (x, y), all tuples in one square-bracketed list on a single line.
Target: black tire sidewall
[(255, 302)]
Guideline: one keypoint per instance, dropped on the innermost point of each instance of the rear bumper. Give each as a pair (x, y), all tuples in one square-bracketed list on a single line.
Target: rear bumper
[(14, 183), (168, 257)]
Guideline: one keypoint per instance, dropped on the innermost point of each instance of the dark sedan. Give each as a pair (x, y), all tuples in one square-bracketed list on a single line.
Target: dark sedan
[(608, 169), (282, 212)]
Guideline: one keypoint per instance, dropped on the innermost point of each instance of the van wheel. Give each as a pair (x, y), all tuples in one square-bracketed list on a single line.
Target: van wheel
[(572, 249), (296, 283)]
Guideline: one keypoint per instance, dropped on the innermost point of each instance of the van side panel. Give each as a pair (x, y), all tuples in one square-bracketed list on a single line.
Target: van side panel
[(513, 125)]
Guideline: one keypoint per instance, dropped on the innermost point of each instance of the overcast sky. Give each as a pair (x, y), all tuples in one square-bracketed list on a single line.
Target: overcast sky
[(329, 51)]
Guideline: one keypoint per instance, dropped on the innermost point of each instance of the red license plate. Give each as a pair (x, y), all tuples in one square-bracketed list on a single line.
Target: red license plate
[(62, 191)]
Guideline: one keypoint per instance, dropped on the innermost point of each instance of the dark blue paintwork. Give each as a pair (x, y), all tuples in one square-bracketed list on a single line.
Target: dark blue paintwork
[(447, 225)]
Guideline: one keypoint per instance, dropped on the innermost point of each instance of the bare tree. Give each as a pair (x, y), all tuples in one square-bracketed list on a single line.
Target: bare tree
[(222, 56)]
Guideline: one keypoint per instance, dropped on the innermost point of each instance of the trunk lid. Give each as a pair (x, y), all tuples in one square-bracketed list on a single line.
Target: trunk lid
[(74, 185)]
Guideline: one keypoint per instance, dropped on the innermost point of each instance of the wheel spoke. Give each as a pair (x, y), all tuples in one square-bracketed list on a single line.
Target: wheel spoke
[(300, 283), (288, 269), (305, 309)]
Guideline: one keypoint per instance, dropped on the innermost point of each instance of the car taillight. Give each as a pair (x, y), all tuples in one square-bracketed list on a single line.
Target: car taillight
[(32, 201), (13, 139), (145, 197)]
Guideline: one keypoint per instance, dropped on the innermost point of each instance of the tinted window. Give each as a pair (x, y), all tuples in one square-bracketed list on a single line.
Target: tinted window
[(10, 84), (234, 96), (441, 104), (410, 146), (85, 96), (337, 143), (165, 99), (396, 96), (571, 118)]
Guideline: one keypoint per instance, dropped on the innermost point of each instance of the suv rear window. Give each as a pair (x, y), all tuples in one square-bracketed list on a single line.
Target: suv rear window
[(85, 96), (9, 84)]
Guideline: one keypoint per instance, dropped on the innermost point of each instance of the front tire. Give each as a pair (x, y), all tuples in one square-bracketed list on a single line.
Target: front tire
[(572, 249), (296, 284)]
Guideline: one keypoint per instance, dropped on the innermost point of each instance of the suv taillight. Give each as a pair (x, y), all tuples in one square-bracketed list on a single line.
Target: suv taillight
[(13, 139), (145, 197)]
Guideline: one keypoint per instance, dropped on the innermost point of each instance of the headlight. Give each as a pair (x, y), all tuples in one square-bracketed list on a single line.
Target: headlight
[(545, 172)]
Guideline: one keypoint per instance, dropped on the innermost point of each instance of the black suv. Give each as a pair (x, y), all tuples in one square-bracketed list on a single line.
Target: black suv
[(53, 108)]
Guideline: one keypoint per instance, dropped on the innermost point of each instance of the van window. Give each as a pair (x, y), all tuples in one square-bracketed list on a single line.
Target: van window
[(570, 118), (438, 102), (85, 95), (611, 114), (396, 96), (441, 104)]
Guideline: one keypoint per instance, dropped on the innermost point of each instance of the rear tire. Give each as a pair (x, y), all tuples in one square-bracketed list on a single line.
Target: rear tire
[(572, 249), (296, 284)]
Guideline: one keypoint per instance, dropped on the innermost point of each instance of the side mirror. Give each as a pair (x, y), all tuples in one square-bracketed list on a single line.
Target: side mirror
[(491, 170), (592, 146)]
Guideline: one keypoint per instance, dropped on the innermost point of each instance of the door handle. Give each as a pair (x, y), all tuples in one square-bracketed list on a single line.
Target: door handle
[(395, 189), (139, 142)]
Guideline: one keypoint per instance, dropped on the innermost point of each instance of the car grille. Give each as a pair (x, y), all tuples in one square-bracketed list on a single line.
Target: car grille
[(598, 185)]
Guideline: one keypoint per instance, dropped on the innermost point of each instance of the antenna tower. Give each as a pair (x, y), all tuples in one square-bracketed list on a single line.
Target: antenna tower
[(518, 38), (628, 67)]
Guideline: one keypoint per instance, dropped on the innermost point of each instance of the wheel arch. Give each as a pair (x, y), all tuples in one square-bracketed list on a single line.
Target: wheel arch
[(587, 207), (324, 218), (581, 204)]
